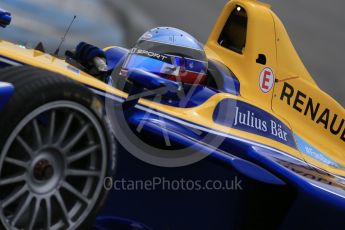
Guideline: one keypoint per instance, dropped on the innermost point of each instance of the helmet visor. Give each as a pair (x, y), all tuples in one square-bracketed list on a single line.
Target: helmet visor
[(168, 61)]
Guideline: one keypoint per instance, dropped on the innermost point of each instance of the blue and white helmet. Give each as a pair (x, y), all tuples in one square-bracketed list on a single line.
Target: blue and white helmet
[(170, 53)]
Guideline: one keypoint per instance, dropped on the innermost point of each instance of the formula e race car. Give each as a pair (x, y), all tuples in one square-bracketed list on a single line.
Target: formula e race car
[(137, 151)]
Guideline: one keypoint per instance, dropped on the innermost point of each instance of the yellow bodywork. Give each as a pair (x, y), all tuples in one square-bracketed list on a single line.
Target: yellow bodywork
[(46, 61), (265, 35)]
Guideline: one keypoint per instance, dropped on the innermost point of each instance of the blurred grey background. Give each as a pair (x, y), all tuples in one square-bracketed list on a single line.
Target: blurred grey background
[(316, 27)]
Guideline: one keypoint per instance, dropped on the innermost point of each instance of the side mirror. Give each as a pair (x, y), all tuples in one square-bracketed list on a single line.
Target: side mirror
[(5, 18), (146, 80)]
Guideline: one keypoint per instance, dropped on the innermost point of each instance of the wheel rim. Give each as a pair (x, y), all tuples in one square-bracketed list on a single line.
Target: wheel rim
[(52, 168)]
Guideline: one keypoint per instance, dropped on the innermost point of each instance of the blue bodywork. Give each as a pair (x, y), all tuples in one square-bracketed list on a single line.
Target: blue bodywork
[(6, 91), (278, 191)]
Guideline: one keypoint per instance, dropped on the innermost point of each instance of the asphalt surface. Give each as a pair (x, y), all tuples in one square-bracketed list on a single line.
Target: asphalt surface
[(47, 20), (316, 27)]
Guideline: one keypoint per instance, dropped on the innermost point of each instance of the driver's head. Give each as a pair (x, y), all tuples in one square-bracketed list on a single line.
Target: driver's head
[(170, 53)]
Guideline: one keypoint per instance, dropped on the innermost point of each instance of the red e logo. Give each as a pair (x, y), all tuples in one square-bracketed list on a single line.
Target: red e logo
[(266, 80)]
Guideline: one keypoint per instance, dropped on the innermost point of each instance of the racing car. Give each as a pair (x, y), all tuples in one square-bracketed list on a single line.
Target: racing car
[(258, 117)]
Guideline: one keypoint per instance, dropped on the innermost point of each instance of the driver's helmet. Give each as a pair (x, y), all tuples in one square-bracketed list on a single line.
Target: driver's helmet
[(170, 53)]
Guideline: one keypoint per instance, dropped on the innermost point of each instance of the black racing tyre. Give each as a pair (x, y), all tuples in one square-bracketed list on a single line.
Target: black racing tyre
[(56, 148)]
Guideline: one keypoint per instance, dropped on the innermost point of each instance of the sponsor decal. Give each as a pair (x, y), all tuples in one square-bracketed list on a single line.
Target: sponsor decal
[(313, 110), (266, 80), (321, 179), (150, 54), (253, 120), (309, 150)]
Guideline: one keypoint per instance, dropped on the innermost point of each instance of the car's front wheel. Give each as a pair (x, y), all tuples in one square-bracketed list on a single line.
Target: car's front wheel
[(55, 151)]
